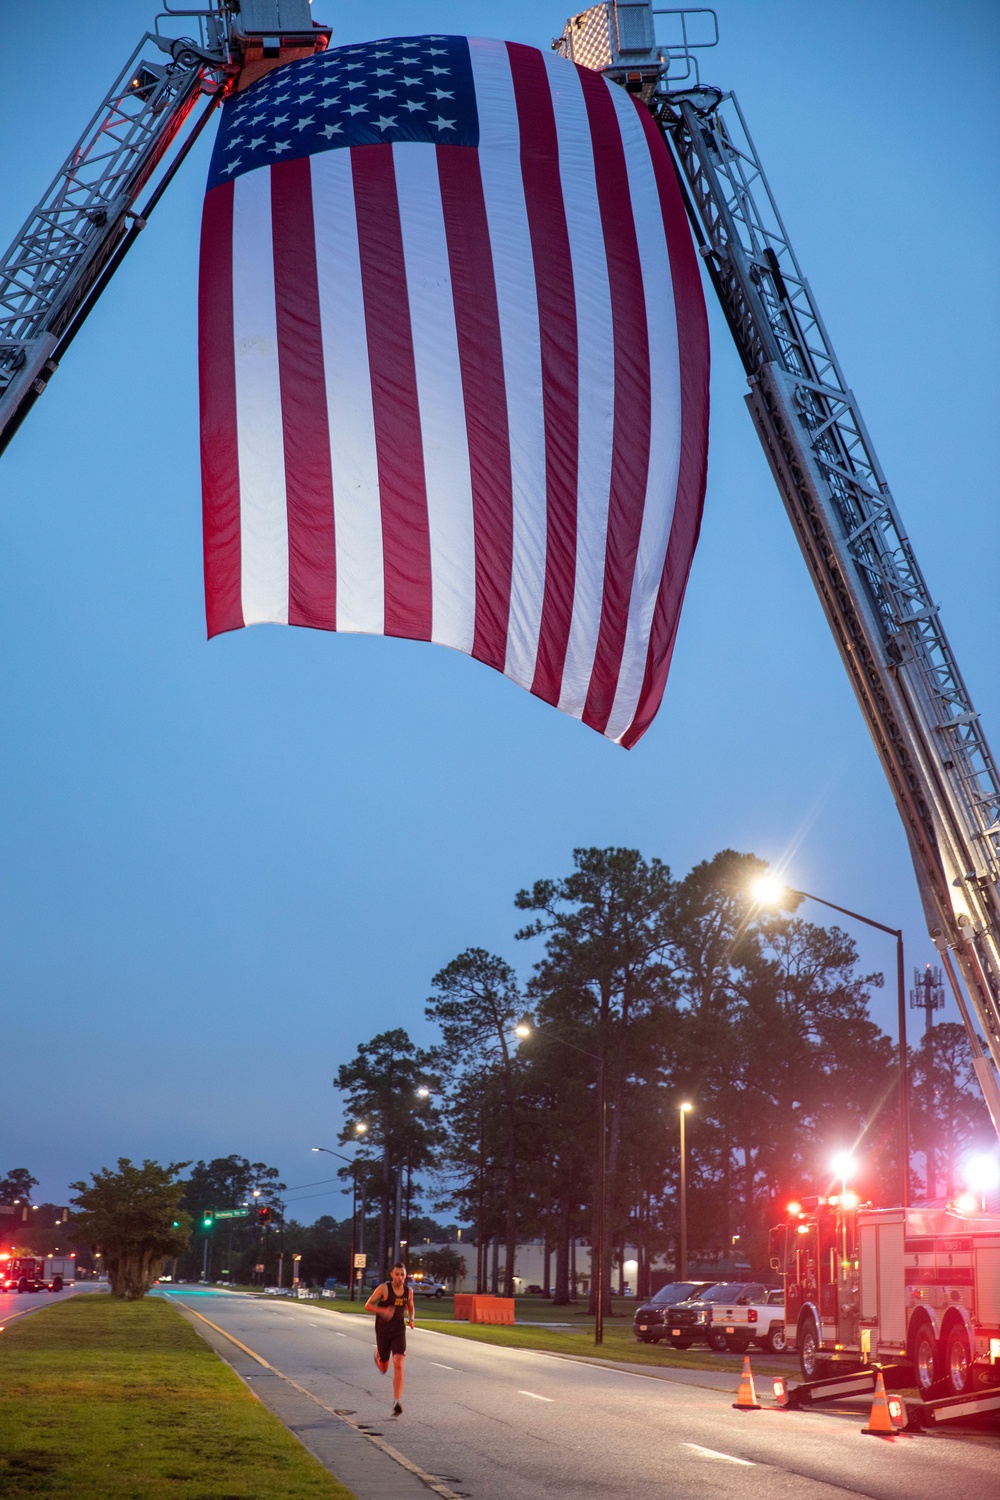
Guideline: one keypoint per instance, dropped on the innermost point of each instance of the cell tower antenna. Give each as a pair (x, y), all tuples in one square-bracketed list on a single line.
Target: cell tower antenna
[(927, 993)]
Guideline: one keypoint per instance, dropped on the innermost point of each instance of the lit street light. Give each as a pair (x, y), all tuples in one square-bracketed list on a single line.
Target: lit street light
[(357, 1241), (524, 1030), (768, 890), (682, 1259)]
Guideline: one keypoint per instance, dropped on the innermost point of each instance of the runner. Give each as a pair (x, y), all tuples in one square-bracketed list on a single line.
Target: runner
[(392, 1304)]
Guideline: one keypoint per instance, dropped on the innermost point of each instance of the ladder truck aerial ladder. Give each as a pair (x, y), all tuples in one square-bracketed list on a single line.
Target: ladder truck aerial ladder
[(89, 218), (887, 628)]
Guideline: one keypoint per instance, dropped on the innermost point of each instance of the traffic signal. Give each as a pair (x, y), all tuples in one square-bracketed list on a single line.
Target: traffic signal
[(264, 1214), (207, 1219)]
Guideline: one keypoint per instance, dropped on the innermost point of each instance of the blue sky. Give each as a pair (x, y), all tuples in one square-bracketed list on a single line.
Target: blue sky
[(224, 865)]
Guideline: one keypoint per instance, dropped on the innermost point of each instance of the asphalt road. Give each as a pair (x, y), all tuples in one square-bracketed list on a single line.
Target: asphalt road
[(502, 1424), (17, 1304)]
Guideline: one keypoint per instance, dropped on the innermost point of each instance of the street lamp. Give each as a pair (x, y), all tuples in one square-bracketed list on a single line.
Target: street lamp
[(423, 1092), (768, 890), (524, 1030), (682, 1268), (359, 1129)]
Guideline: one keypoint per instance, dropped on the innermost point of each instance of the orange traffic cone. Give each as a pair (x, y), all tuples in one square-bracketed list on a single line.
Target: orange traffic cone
[(880, 1423), (746, 1396)]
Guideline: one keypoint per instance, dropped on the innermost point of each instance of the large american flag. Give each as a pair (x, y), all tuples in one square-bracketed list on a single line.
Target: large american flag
[(454, 366)]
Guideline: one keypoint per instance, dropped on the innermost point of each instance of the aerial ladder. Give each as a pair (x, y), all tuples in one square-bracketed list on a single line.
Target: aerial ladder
[(887, 627), (89, 218)]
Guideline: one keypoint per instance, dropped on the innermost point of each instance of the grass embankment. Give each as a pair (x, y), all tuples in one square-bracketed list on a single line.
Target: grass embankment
[(620, 1343), (108, 1400)]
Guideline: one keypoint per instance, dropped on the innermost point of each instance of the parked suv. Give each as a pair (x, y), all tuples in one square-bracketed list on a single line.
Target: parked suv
[(736, 1325), (692, 1321), (649, 1323)]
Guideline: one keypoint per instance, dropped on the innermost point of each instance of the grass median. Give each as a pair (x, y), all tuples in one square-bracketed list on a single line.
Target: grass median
[(109, 1400), (574, 1335)]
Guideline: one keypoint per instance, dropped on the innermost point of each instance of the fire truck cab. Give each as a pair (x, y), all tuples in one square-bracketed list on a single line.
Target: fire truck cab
[(920, 1285)]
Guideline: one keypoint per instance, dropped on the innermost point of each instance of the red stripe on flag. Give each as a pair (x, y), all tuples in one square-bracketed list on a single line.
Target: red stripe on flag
[(630, 443), (220, 463), (694, 360), (560, 357), (312, 564), (477, 323), (399, 444)]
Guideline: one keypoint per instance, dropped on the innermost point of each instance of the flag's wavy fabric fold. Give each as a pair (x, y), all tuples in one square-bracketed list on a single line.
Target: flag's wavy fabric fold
[(454, 366)]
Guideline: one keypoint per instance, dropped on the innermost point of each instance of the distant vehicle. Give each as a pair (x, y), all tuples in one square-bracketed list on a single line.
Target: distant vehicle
[(24, 1273), (691, 1322), (649, 1323), (422, 1286), (58, 1270), (737, 1325)]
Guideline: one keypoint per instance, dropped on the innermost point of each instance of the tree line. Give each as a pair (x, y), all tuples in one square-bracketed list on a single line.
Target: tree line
[(677, 990), (682, 990)]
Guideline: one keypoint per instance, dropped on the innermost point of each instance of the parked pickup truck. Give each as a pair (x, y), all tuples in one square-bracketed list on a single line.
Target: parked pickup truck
[(761, 1318), (700, 1320)]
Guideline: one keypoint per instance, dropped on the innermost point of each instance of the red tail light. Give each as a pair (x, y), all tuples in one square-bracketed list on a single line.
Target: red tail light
[(751, 1315)]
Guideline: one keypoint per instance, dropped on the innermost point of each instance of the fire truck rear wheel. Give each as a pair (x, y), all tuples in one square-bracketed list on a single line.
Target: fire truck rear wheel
[(808, 1342), (957, 1362), (926, 1365)]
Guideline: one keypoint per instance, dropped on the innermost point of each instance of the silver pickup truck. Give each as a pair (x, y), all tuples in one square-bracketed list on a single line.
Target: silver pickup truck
[(760, 1319)]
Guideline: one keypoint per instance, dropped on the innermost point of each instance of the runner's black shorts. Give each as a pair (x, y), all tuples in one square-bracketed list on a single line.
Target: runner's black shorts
[(390, 1340)]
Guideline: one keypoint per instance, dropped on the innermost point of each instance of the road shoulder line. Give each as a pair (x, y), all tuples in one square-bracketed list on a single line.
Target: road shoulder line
[(380, 1443)]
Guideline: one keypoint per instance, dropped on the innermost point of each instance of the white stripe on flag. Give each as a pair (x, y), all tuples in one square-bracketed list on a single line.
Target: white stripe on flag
[(517, 303), (439, 395), (356, 507), (665, 392), (596, 376), (263, 510)]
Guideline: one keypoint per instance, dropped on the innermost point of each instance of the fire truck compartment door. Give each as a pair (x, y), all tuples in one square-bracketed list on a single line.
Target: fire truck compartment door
[(868, 1254), (891, 1283), (988, 1284)]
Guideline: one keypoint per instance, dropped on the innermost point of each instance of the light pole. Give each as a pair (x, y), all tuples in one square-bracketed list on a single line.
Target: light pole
[(359, 1130), (423, 1092), (682, 1268), (524, 1030), (768, 891)]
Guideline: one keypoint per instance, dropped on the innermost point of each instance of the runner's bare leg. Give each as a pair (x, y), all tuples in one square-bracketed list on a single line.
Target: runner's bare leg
[(397, 1376)]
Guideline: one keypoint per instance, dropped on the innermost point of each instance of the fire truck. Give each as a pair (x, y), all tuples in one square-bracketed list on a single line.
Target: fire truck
[(23, 1273), (914, 1285)]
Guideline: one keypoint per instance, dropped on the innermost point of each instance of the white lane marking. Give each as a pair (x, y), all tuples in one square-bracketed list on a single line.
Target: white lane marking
[(535, 1397), (711, 1453), (340, 1335), (441, 1366)]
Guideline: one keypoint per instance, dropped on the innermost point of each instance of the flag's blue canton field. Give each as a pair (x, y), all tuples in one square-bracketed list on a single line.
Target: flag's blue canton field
[(404, 89)]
